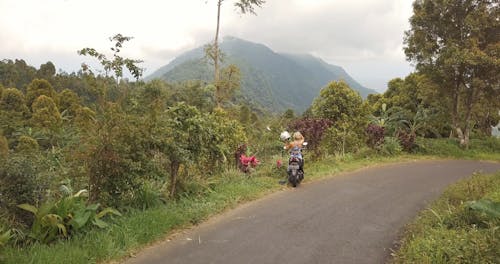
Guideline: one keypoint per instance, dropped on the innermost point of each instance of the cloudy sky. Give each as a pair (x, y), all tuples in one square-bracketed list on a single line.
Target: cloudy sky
[(365, 37)]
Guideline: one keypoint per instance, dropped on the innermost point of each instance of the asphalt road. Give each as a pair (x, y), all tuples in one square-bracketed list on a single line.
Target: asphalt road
[(352, 218)]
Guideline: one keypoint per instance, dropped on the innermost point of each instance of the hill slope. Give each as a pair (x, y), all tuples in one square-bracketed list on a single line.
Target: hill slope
[(270, 80)]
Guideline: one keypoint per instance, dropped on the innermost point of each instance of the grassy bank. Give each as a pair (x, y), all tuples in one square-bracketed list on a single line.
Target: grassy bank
[(462, 226), (138, 228)]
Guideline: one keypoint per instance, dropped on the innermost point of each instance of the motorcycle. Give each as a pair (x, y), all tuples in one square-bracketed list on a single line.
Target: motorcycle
[(295, 165)]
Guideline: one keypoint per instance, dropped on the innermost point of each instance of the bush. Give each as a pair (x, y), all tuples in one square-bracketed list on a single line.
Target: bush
[(4, 147), (407, 140), (391, 147), (114, 154), (66, 216), (27, 145), (440, 147), (147, 196), (375, 134), (20, 182), (338, 141)]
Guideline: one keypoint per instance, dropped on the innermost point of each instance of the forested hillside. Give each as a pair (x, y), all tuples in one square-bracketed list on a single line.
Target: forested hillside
[(270, 80)]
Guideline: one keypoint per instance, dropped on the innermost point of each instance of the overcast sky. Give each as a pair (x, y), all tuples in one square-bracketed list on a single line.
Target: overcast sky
[(365, 37)]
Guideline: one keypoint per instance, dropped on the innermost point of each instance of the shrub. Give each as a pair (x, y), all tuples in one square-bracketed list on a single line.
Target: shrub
[(4, 147), (313, 130), (20, 182), (375, 134), (391, 147), (61, 218), (147, 196), (27, 144), (407, 140)]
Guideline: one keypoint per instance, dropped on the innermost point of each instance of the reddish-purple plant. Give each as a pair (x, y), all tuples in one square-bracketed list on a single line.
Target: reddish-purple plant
[(407, 140), (312, 129), (375, 135)]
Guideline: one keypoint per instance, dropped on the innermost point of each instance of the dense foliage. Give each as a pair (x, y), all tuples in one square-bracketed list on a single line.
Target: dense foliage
[(456, 44), (143, 145), (344, 107)]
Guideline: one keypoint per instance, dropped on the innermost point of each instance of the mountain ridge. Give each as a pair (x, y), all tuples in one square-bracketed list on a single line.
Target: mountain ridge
[(274, 81)]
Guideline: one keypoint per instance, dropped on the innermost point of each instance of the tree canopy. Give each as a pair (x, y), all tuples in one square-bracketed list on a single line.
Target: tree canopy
[(457, 44)]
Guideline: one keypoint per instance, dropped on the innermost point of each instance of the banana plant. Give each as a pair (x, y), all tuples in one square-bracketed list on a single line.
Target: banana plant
[(64, 217)]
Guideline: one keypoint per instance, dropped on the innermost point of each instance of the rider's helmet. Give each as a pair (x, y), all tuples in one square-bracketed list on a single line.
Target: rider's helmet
[(284, 135)]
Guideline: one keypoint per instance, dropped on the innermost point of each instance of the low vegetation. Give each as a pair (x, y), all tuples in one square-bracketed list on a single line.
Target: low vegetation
[(460, 227), (202, 199)]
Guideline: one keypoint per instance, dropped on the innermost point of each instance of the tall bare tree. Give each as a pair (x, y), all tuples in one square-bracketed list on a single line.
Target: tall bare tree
[(213, 51)]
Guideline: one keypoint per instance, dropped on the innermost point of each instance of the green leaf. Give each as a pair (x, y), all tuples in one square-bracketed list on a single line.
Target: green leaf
[(106, 211), (98, 222), (81, 192), (80, 219), (51, 220), (29, 208), (485, 206), (93, 207), (62, 229), (5, 237)]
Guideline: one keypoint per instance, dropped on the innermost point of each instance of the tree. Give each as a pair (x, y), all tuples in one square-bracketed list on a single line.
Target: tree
[(45, 113), (183, 141), (213, 52), (227, 84), (244, 116), (456, 43), (116, 64), (47, 71), (16, 74), (345, 109), (13, 100), (404, 98), (69, 102), (37, 88), (13, 111)]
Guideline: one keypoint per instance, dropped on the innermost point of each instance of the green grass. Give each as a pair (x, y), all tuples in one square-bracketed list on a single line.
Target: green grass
[(482, 149), (138, 228), (450, 232)]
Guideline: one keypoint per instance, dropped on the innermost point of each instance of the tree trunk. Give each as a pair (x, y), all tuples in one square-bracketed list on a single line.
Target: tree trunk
[(454, 113), (174, 170), (216, 54), (468, 104)]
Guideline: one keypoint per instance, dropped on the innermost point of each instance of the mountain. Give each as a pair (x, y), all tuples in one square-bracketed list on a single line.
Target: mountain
[(273, 81)]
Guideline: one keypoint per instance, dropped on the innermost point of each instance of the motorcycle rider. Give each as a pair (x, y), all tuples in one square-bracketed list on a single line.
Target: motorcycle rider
[(295, 146)]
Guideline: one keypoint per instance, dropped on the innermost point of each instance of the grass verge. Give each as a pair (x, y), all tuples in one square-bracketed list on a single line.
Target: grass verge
[(454, 229), (138, 228)]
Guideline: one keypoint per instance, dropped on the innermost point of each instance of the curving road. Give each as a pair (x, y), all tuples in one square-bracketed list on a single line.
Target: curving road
[(352, 218)]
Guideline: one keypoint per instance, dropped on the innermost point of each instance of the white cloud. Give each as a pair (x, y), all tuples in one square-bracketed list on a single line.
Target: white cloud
[(352, 34)]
